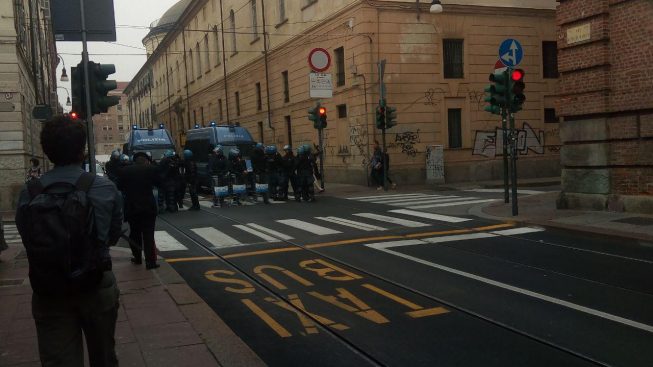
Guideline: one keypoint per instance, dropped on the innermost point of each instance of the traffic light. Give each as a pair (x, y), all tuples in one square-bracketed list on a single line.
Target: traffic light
[(517, 98), (390, 117), (100, 87), (498, 92), (315, 115), (77, 91), (381, 115), (322, 117)]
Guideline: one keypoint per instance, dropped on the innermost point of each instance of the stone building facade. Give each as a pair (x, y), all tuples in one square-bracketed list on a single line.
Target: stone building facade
[(28, 59), (437, 66), (112, 128), (606, 101)]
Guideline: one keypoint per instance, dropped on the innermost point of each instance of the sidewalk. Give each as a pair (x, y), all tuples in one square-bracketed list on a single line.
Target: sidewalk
[(161, 321)]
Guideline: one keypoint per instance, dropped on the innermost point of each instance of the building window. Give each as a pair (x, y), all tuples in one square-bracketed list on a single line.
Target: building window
[(190, 56), (260, 131), (254, 20), (198, 57), (453, 58), (232, 29), (550, 59), (119, 107), (342, 111), (286, 86), (282, 11), (194, 117), (259, 101), (288, 129), (207, 53), (216, 40), (455, 128), (550, 116), (178, 75), (220, 115), (340, 66), (202, 115), (237, 96)]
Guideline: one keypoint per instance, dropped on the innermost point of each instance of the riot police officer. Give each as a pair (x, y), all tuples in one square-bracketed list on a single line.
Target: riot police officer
[(273, 169), (306, 171), (288, 175), (237, 173), (189, 167), (258, 174), (219, 169), (170, 180), (112, 166)]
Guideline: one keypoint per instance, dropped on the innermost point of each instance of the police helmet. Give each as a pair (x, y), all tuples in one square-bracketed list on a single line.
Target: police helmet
[(124, 158), (287, 148), (300, 150), (259, 146), (218, 149), (115, 155), (271, 149), (234, 152), (147, 156), (188, 154), (169, 153)]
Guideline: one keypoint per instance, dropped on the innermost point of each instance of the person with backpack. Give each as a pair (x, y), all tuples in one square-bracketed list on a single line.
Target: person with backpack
[(34, 171), (137, 182), (68, 219)]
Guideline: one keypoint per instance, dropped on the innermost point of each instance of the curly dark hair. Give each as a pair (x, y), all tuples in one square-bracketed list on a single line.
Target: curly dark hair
[(64, 140)]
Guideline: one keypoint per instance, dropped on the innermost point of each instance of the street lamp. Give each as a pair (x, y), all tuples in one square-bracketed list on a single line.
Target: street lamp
[(436, 7), (64, 75), (68, 103)]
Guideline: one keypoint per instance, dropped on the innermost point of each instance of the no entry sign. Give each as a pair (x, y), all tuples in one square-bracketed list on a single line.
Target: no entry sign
[(319, 60)]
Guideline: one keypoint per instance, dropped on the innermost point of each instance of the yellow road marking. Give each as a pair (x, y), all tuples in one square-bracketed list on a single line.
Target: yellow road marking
[(347, 242), (393, 297), (427, 312), (272, 323)]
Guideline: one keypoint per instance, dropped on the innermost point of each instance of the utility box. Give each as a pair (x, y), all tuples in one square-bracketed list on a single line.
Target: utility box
[(435, 164)]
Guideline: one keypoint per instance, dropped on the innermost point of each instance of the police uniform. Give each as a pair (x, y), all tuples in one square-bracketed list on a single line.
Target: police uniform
[(219, 169)]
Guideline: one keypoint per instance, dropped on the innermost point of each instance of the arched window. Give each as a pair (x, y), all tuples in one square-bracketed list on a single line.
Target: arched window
[(232, 29), (254, 20)]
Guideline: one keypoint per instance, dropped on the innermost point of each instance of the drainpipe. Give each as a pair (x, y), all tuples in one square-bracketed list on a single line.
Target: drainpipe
[(183, 38), (224, 64), (267, 74)]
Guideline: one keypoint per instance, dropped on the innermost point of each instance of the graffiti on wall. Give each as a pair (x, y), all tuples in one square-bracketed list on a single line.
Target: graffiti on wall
[(490, 143), (358, 139), (406, 141)]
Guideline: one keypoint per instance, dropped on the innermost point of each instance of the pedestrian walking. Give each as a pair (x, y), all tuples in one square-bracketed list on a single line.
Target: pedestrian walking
[(68, 219), (137, 182), (34, 171), (380, 163)]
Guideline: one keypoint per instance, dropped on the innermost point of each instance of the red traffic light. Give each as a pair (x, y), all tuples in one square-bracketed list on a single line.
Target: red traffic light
[(322, 111), (73, 115), (517, 75)]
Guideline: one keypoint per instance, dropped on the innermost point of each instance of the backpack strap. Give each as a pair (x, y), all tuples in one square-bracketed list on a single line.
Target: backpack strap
[(35, 188), (85, 181)]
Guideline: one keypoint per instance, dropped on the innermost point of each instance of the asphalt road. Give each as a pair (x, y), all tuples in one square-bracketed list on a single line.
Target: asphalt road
[(413, 280)]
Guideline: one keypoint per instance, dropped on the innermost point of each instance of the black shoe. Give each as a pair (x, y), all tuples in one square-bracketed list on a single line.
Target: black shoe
[(298, 199), (152, 266), (136, 261), (194, 208)]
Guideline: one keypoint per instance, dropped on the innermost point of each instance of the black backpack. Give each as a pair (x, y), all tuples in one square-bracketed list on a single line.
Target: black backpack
[(60, 238)]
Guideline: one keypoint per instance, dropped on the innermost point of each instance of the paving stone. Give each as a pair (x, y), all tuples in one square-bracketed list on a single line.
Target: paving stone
[(167, 336), (124, 333), (148, 316), (22, 328), (183, 294), (186, 356), (129, 355), (16, 351)]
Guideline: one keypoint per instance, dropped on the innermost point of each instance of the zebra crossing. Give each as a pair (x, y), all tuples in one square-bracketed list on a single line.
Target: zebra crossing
[(246, 202), (422, 201), (12, 237)]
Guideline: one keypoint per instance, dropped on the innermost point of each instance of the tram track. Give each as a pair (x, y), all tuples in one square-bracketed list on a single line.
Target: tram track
[(339, 336)]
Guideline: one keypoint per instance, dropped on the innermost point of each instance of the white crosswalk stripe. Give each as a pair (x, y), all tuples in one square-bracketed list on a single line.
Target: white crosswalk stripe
[(216, 238), (308, 227), (363, 198), (415, 199), (350, 223), (270, 231), (393, 220), (259, 234), (438, 217), (422, 201), (165, 242), (447, 204), (500, 191)]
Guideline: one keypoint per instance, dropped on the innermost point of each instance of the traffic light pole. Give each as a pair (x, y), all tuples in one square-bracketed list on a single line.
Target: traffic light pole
[(319, 135), (386, 166), (504, 130), (513, 168), (87, 93)]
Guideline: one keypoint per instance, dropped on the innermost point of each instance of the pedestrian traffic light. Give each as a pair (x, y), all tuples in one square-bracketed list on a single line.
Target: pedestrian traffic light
[(314, 115), (390, 117), (77, 91), (100, 87), (381, 115), (322, 118), (497, 92), (517, 98)]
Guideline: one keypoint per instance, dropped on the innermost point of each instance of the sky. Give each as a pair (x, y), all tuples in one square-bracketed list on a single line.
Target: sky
[(128, 53)]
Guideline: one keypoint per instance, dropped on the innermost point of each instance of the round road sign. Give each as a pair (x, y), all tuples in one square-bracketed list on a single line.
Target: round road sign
[(319, 60)]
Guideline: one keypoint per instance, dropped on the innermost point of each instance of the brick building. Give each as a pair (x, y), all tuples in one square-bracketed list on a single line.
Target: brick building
[(605, 61), (437, 67)]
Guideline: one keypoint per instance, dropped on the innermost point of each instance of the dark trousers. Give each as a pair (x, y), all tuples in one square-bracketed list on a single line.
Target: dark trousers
[(141, 234), (192, 191), (61, 321)]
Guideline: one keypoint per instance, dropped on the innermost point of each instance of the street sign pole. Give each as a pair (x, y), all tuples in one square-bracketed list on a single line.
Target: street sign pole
[(320, 139), (87, 91), (504, 131), (386, 166), (513, 169)]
